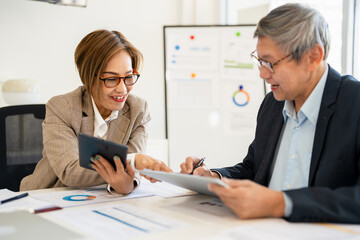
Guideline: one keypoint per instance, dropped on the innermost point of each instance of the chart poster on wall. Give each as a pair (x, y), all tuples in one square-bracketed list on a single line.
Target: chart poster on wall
[(213, 91)]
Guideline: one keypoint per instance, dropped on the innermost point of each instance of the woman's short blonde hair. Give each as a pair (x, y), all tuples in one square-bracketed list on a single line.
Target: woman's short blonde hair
[(95, 50)]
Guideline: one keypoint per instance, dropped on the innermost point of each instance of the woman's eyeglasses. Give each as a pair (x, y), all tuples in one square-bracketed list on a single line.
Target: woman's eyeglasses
[(113, 81)]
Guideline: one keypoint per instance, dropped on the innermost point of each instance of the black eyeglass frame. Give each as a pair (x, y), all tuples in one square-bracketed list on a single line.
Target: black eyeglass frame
[(135, 73), (262, 63)]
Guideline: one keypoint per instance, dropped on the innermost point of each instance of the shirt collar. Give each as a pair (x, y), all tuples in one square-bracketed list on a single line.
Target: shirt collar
[(99, 121), (312, 104), (311, 107), (289, 110)]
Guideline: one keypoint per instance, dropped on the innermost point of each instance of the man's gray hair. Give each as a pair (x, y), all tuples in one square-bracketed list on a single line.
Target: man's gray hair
[(295, 28)]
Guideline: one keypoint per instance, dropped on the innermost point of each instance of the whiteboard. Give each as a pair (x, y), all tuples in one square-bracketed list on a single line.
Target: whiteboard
[(213, 92)]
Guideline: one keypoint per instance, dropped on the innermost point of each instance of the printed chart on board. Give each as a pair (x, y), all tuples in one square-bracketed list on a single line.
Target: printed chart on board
[(213, 92)]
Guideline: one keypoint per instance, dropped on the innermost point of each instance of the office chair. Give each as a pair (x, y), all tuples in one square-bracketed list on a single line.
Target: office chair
[(20, 142)]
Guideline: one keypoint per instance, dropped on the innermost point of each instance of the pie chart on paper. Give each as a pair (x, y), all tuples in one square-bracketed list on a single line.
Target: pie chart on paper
[(79, 197)]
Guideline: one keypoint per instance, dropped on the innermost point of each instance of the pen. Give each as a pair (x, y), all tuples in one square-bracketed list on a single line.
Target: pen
[(14, 198), (198, 164), (41, 210)]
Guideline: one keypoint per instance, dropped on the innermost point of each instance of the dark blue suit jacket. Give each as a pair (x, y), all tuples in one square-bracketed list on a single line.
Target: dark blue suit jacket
[(333, 192)]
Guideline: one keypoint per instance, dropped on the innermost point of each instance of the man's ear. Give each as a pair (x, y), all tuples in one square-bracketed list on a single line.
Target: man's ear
[(315, 57)]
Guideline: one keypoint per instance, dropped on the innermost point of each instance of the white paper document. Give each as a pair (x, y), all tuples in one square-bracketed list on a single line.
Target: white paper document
[(278, 229), (117, 221), (87, 196), (26, 203), (164, 189), (204, 207)]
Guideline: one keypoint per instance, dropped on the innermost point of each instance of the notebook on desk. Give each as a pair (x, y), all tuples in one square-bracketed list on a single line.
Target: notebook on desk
[(25, 225)]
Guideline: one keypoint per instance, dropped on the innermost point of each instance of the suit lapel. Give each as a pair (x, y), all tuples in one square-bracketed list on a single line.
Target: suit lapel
[(262, 175), (87, 122), (329, 97)]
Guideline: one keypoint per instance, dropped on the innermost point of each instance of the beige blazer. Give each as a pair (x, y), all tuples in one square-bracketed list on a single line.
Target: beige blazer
[(66, 116)]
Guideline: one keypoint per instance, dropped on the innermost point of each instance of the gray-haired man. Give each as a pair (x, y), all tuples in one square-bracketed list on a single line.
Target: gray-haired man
[(304, 163)]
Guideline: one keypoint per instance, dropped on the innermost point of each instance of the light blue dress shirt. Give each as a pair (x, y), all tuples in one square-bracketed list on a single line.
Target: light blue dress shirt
[(291, 165)]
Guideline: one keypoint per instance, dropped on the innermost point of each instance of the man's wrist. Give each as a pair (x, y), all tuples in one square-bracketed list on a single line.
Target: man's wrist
[(216, 174), (279, 205), (288, 205)]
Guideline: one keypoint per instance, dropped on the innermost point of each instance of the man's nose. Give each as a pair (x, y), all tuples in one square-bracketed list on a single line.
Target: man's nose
[(264, 73)]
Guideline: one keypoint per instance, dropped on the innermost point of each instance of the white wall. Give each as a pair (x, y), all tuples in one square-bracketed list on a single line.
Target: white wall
[(38, 40)]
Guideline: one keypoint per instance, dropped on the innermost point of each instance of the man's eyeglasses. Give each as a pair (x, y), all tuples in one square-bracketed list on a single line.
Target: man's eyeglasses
[(113, 81), (262, 63)]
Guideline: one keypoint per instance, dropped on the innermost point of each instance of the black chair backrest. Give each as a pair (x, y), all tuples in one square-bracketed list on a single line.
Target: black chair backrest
[(20, 142)]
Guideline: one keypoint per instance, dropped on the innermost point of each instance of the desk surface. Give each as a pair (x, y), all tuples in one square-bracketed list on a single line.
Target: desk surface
[(196, 217), (198, 224)]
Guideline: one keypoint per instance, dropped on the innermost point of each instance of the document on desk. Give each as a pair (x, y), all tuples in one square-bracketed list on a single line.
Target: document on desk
[(164, 189), (26, 203), (204, 207), (117, 221), (98, 194), (279, 229), (80, 197)]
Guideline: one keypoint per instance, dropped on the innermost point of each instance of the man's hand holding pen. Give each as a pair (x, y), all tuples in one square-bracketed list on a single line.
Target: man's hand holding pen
[(196, 166)]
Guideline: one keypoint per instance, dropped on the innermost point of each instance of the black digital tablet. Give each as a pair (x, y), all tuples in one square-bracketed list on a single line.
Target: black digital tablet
[(89, 146)]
